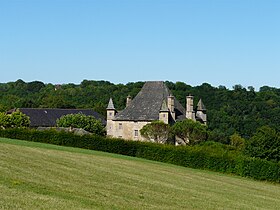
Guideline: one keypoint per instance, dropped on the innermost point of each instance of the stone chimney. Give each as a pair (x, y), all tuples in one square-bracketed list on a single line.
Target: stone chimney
[(128, 100), (170, 105), (189, 108)]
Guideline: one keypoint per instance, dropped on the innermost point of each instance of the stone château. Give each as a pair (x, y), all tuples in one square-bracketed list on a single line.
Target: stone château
[(154, 102)]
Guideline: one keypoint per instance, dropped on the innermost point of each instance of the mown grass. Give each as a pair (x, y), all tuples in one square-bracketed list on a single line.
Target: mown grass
[(42, 176)]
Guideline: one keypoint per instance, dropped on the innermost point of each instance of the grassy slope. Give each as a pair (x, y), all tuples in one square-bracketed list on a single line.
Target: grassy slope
[(41, 176)]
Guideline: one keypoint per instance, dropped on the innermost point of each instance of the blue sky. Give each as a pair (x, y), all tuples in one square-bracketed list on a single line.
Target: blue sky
[(220, 42)]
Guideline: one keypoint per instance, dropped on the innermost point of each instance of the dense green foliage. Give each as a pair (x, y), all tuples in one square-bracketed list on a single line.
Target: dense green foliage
[(156, 131), (239, 110), (14, 120), (189, 131), (237, 141), (88, 123), (264, 144), (211, 156)]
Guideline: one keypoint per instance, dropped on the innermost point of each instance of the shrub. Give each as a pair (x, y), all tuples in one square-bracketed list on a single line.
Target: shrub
[(88, 123), (15, 120)]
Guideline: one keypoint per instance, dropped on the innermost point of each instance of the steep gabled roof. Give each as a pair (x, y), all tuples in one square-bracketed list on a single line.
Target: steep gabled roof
[(46, 117), (148, 103)]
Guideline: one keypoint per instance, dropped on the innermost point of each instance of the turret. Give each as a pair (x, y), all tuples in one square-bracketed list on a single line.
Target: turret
[(111, 111), (164, 113), (201, 112)]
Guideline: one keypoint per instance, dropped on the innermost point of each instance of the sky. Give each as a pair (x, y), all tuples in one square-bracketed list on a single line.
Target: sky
[(220, 42)]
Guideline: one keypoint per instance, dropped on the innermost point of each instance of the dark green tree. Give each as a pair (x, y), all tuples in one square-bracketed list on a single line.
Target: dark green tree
[(156, 131), (189, 131), (264, 144)]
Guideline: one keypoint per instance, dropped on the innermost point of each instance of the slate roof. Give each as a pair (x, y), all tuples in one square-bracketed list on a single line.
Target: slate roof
[(148, 103), (46, 117)]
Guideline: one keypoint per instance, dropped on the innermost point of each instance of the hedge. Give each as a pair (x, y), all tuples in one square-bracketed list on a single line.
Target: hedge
[(201, 157)]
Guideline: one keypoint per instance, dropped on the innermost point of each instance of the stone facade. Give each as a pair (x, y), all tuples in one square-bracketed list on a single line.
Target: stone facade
[(126, 130)]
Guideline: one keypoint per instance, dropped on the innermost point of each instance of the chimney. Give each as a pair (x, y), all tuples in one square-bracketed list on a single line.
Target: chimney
[(128, 100), (189, 108), (170, 104)]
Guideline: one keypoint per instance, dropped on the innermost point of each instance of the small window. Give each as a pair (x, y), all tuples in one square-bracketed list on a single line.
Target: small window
[(110, 113), (164, 115), (136, 133), (120, 126)]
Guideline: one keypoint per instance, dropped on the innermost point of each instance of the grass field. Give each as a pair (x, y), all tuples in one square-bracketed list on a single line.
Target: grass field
[(41, 176)]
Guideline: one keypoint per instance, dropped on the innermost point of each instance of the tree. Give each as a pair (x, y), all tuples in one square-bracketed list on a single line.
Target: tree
[(237, 141), (4, 120), (156, 131), (15, 120), (189, 131), (19, 120), (264, 144), (88, 123)]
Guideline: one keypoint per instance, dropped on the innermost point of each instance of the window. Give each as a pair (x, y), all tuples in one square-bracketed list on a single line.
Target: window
[(120, 126), (164, 115), (135, 133), (110, 113)]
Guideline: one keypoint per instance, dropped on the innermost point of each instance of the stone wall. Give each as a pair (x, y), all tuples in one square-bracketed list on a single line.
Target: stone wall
[(129, 130)]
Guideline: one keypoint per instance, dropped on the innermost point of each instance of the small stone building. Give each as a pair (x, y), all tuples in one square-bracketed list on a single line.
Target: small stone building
[(154, 102)]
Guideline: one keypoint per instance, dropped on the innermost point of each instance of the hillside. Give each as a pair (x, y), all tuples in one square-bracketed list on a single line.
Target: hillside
[(41, 176)]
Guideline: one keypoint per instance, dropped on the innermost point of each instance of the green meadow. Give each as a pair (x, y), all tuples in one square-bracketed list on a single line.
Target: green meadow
[(42, 176)]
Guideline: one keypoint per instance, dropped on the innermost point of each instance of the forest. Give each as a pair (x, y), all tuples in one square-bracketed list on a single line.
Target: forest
[(241, 110)]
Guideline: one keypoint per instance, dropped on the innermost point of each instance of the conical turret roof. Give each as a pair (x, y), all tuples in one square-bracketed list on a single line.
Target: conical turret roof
[(111, 105), (164, 107), (201, 106)]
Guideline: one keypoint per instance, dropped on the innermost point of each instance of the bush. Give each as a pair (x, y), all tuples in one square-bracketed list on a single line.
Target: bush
[(210, 155), (15, 120), (88, 123)]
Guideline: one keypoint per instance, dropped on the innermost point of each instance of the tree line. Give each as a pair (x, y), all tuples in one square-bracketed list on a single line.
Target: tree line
[(239, 110)]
